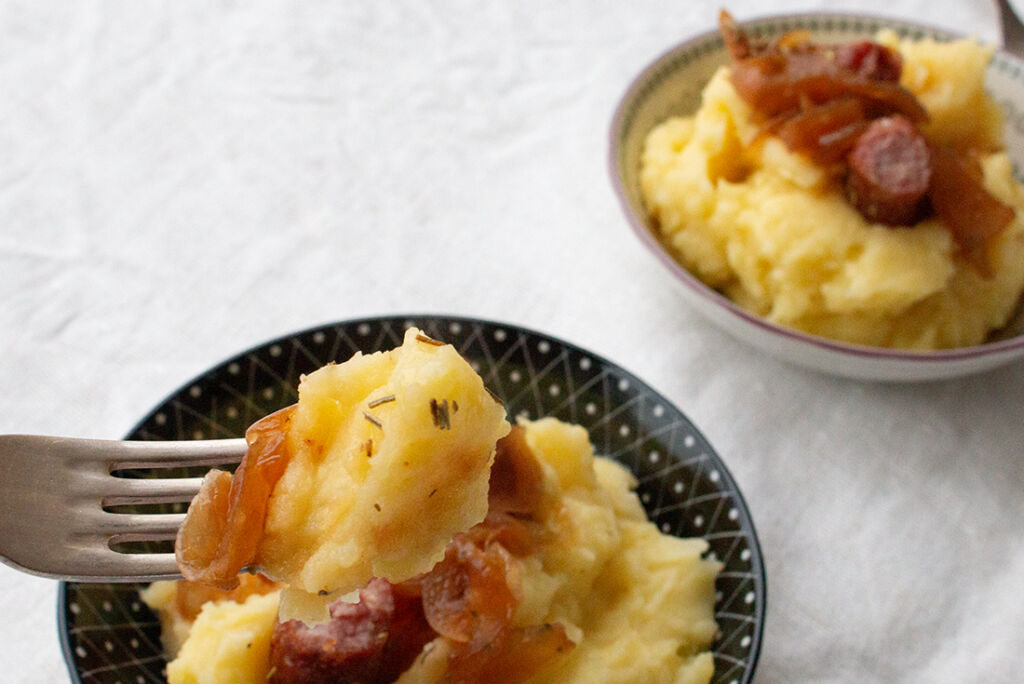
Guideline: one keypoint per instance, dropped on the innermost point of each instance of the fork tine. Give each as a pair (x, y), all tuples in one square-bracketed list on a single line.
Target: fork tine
[(124, 455), (107, 565), (120, 455), (140, 527), (135, 567), (1011, 27), (121, 491)]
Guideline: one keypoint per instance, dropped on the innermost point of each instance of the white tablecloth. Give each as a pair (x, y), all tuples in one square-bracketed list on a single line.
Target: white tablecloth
[(180, 181)]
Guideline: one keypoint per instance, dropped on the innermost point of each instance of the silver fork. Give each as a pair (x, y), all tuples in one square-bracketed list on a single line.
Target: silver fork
[(1010, 27), (53, 491)]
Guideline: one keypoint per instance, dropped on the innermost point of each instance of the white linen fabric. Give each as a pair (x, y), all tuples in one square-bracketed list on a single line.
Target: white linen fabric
[(180, 181)]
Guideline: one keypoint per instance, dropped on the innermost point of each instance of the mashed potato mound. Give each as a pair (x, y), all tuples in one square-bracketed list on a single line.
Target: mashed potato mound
[(639, 604), (390, 457), (179, 603), (774, 233), (382, 460), (229, 643)]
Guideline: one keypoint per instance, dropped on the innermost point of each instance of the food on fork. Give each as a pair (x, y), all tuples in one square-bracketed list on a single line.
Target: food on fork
[(565, 581), (382, 460), (857, 191)]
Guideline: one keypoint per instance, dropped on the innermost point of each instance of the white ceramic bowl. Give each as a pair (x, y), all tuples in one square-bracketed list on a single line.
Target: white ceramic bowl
[(672, 84)]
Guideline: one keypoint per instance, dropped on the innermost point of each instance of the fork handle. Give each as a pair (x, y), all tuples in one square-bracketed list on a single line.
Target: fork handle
[(1011, 27)]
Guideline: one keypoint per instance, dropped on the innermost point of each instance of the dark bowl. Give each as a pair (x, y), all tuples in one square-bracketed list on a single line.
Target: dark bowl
[(109, 635)]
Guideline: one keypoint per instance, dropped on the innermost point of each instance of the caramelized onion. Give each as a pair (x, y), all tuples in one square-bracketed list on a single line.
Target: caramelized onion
[(504, 529), (224, 526), (736, 41), (817, 98), (512, 657), (782, 82), (466, 596), (869, 60), (824, 102), (189, 597), (974, 217), (826, 132), (468, 600), (516, 477)]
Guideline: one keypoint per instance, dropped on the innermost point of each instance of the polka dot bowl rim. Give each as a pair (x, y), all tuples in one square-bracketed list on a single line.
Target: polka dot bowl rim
[(1005, 81), (108, 635)]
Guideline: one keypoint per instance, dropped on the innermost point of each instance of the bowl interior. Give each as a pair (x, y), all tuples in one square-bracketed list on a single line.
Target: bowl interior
[(109, 635), (672, 85)]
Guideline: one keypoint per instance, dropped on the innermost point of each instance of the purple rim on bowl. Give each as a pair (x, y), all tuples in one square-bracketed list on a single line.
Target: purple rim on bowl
[(710, 42)]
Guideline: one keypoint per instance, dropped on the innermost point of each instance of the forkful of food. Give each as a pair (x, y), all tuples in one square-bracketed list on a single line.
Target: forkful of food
[(384, 459)]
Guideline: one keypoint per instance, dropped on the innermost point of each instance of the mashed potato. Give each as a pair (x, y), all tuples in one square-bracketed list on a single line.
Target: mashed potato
[(637, 603), (179, 603), (388, 456), (359, 500), (228, 643), (773, 231)]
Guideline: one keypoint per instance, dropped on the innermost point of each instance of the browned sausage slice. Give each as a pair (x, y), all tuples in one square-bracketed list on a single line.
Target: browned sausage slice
[(369, 642), (870, 60), (346, 649), (890, 169)]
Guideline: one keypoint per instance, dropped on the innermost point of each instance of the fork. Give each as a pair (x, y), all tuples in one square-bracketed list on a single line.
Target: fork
[(1010, 27), (55, 492)]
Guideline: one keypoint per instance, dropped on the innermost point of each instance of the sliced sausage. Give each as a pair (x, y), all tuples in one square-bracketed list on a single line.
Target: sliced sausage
[(371, 642), (890, 167), (870, 60)]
